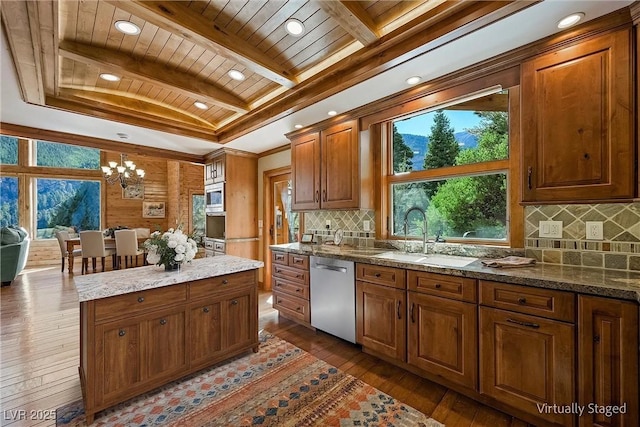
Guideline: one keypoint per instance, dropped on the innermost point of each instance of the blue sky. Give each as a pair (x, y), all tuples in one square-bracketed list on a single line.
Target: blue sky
[(421, 125)]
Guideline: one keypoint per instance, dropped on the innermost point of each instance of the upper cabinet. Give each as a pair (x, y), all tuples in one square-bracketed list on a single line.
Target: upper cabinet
[(577, 122), (214, 170), (330, 168)]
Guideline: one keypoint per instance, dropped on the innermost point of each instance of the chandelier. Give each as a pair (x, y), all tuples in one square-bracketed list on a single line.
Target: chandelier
[(125, 173)]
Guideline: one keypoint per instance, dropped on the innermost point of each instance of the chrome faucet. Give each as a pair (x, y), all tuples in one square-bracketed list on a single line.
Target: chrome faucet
[(424, 230)]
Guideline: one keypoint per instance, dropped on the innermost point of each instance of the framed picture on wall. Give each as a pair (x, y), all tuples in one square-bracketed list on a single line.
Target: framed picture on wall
[(153, 209), (133, 192)]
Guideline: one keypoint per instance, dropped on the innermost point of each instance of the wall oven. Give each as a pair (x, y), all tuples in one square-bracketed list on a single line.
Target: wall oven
[(214, 198)]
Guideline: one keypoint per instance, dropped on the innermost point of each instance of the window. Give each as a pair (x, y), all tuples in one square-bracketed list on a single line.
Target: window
[(8, 201), (453, 164), (8, 150), (197, 215), (58, 155), (66, 203)]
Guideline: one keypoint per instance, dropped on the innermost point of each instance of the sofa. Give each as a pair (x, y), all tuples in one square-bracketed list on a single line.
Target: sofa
[(14, 250)]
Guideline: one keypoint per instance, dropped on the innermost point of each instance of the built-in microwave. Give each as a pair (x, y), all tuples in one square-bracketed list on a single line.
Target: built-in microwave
[(214, 197)]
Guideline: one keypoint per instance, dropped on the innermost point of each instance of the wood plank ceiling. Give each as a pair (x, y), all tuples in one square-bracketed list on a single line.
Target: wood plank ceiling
[(185, 50)]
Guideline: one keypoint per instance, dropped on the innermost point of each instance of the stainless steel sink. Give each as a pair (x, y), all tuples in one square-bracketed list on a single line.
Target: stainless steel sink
[(427, 259)]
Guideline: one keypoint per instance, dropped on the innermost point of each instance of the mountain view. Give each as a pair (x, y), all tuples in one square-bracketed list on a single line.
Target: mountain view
[(420, 143)]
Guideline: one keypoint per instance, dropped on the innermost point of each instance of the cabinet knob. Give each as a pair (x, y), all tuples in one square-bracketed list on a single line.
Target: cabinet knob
[(299, 308), (122, 333), (377, 274), (206, 309), (596, 339), (438, 285), (278, 270), (522, 300), (140, 299), (298, 276), (225, 281), (234, 302), (163, 321), (297, 289)]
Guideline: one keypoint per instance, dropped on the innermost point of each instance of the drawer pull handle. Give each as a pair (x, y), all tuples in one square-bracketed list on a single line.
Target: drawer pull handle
[(163, 322), (299, 308), (377, 274), (206, 309), (522, 300), (398, 309), (324, 195), (297, 289), (140, 299), (279, 301), (234, 302), (413, 320), (297, 261), (596, 339), (122, 333), (225, 281), (278, 270), (278, 284), (298, 276), (317, 196), (529, 173), (527, 324), (438, 285)]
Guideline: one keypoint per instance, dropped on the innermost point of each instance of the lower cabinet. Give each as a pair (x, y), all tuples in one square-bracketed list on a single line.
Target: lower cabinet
[(443, 338), (608, 361), (528, 362), (380, 319)]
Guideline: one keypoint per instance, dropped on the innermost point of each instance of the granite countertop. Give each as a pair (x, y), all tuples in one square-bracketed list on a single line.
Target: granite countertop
[(118, 282), (595, 281)]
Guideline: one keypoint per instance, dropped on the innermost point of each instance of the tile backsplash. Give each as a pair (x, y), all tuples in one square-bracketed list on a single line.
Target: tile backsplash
[(351, 222), (620, 248)]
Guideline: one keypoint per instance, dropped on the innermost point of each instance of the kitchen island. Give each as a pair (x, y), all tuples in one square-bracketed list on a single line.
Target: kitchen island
[(141, 328)]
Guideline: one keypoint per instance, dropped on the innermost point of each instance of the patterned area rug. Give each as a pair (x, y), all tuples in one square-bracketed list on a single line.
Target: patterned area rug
[(281, 385)]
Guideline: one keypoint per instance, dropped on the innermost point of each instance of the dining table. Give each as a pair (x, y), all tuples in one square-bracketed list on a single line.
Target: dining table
[(75, 241)]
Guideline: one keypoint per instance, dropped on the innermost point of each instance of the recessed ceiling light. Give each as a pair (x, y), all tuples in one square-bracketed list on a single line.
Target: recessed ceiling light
[(570, 20), (413, 80), (298, 126), (332, 113), (200, 105), (109, 77), (236, 75), (127, 27), (294, 27)]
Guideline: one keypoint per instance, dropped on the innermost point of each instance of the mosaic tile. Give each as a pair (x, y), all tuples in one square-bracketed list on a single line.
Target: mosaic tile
[(615, 261), (634, 262), (552, 257), (571, 258), (593, 259)]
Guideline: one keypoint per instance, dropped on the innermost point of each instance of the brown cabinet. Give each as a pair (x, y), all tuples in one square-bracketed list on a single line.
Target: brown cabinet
[(290, 286), (330, 169), (526, 361), (577, 122), (608, 360), (135, 342), (443, 330), (381, 310)]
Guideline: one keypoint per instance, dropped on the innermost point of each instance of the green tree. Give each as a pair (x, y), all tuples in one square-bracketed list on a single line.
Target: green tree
[(477, 203), (443, 149), (402, 153)]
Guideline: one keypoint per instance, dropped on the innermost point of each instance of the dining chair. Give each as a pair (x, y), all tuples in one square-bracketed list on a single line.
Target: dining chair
[(143, 232), (92, 246), (127, 247), (62, 236)]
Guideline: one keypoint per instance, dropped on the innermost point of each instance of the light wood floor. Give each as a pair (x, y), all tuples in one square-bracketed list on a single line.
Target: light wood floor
[(39, 340)]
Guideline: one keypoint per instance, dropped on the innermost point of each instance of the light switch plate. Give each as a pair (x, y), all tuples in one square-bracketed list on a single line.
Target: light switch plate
[(594, 230), (550, 229), (327, 224)]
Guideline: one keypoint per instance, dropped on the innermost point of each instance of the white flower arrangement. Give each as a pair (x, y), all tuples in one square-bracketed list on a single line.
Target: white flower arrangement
[(170, 248)]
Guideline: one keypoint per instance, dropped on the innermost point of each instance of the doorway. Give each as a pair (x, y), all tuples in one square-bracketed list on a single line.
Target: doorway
[(281, 224)]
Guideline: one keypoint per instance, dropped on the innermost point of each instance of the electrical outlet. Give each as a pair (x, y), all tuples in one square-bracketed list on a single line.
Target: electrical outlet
[(550, 229), (366, 225), (594, 230), (327, 224)]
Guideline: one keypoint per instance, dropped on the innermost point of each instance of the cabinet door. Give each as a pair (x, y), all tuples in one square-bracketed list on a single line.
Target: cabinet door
[(241, 317), (577, 128), (527, 362), (218, 169), (608, 355), (208, 173), (380, 319), (164, 349), (443, 338), (305, 172), (117, 359), (340, 176), (206, 331)]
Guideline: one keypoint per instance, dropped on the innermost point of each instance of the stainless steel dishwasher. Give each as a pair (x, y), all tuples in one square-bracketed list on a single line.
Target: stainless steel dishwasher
[(333, 297)]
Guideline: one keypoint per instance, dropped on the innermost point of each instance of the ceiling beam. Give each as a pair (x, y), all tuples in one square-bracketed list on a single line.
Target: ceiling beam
[(100, 143), (353, 18), (178, 19), (116, 114), (151, 72)]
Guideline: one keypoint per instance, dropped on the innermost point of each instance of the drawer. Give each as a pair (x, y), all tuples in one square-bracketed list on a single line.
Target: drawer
[(293, 307), (387, 276), (442, 285), (291, 274), (289, 287), (218, 247), (547, 303), (208, 244), (133, 303), (205, 287), (279, 258), (299, 261)]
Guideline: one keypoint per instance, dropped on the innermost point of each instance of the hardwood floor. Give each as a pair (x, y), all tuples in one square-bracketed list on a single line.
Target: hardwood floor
[(39, 340)]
